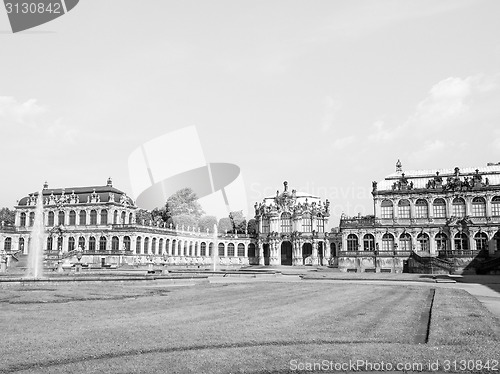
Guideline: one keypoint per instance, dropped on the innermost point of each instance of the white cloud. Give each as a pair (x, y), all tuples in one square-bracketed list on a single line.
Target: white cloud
[(12, 110), (32, 121)]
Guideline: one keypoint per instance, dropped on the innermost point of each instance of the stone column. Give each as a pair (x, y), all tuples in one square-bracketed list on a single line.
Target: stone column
[(260, 247), (314, 252)]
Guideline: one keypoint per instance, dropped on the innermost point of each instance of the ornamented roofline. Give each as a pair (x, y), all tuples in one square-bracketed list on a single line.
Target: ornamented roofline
[(78, 195), (289, 202)]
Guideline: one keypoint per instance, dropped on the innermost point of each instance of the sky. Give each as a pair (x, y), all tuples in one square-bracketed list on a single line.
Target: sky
[(326, 95)]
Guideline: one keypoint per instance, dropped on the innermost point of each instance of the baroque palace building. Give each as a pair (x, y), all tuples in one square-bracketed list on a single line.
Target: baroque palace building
[(291, 229), (427, 221), (100, 222)]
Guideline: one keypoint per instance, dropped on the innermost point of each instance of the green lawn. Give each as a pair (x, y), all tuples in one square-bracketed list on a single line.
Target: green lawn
[(149, 327)]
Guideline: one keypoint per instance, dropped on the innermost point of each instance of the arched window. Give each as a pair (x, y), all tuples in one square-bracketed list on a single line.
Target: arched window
[(32, 218), (478, 207), (496, 240), (230, 250), (265, 226), (221, 249), (72, 218), (368, 242), (115, 217), (60, 218), (404, 209), (387, 242), (286, 222), (405, 242), (160, 246), (92, 244), (352, 242), (495, 206), (7, 244), (320, 223), (306, 223), (439, 208), (71, 244), (461, 241), (49, 243), (115, 244), (421, 209), (130, 218), (102, 243), (22, 222), (104, 217), (458, 207), (93, 217), (83, 217), (211, 249), (189, 249), (21, 245), (153, 246), (123, 215), (481, 240), (441, 241), (423, 242), (387, 209), (59, 243), (146, 246), (251, 250), (203, 249), (138, 245), (241, 250), (126, 243), (81, 243), (51, 219)]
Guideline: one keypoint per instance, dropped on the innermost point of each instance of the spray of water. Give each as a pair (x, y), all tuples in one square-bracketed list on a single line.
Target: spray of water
[(35, 254), (215, 249)]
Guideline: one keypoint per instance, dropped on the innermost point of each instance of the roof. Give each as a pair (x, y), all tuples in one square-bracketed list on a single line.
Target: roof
[(420, 178), (80, 195)]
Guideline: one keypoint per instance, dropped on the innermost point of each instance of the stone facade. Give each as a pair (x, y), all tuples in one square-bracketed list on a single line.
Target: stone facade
[(442, 220), (291, 230), (101, 222)]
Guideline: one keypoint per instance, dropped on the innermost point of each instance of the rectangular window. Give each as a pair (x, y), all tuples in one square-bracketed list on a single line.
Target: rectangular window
[(495, 209), (387, 212), (459, 210), (439, 211), (421, 211), (404, 211), (478, 210)]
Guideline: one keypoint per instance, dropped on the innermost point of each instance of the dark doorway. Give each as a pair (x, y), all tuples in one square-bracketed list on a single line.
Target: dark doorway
[(320, 252), (286, 253), (333, 250), (266, 254), (103, 261), (307, 251)]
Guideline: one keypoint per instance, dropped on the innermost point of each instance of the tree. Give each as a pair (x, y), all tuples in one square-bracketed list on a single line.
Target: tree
[(225, 225), (7, 216), (252, 226), (207, 222), (238, 222), (160, 214), (184, 220), (142, 215), (184, 202)]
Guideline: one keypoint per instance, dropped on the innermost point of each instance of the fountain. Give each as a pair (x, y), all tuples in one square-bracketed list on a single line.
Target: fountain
[(215, 249), (35, 254)]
